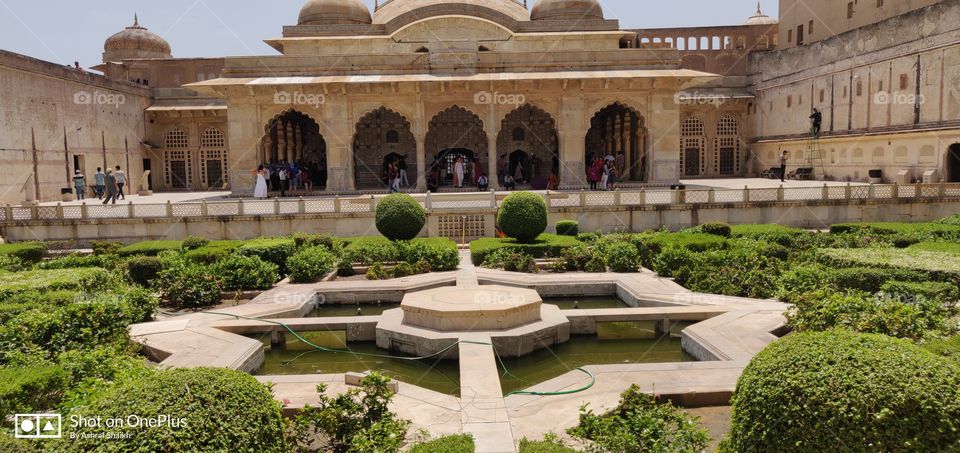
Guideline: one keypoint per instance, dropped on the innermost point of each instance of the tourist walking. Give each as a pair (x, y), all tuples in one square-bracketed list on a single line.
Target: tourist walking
[(783, 167), (260, 189), (99, 179), (110, 187), (595, 173), (79, 183), (393, 177), (121, 178), (519, 177), (402, 167), (605, 179), (284, 181), (458, 172)]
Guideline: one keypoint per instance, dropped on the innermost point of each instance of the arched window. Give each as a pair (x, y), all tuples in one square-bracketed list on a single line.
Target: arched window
[(393, 136), (176, 138), (519, 134), (212, 138), (692, 144), (728, 151), (213, 158), (176, 159)]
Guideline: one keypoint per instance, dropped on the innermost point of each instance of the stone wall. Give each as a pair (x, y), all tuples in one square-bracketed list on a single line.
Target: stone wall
[(54, 117)]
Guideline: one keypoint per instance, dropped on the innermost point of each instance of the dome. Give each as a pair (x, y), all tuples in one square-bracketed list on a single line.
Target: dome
[(567, 10), (331, 12), (490, 9), (760, 19), (135, 42)]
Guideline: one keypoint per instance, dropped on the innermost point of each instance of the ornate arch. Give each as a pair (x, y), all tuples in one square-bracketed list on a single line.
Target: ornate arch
[(618, 128), (537, 149), (373, 147), (451, 133), (295, 136)]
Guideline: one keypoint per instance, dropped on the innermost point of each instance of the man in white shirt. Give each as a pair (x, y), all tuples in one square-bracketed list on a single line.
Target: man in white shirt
[(121, 178)]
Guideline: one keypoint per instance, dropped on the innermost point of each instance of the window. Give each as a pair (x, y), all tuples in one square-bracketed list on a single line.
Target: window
[(879, 3), (789, 101), (800, 35), (519, 134), (810, 28), (176, 138), (212, 138), (881, 86), (822, 95), (789, 35), (393, 136), (859, 89), (850, 10), (904, 81), (693, 142)]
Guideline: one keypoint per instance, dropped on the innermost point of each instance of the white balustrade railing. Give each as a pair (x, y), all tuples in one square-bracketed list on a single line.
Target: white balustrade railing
[(480, 201)]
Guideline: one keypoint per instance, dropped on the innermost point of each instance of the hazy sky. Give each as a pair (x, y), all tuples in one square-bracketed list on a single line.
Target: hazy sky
[(65, 31)]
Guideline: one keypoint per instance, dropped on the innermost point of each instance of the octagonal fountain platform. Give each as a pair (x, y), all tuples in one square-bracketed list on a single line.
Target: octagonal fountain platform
[(430, 322)]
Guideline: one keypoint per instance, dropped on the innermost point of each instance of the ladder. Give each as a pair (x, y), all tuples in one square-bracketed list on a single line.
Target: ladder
[(814, 155)]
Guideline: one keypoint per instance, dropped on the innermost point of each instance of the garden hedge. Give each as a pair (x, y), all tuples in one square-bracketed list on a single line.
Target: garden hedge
[(245, 273), (31, 389), (400, 217), (273, 250), (568, 228), (843, 391), (715, 228), (213, 251), (311, 264), (695, 242), (26, 252), (143, 270), (523, 216), (457, 443), (211, 410), (544, 245), (150, 248), (89, 279)]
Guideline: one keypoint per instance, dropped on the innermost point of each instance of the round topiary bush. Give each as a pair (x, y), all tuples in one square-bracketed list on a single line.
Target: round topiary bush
[(400, 217), (843, 391), (568, 228), (523, 216), (203, 409)]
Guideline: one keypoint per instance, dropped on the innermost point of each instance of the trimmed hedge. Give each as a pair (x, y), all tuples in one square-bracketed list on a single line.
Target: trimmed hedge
[(30, 390), (188, 285), (26, 301), (544, 245), (75, 261), (946, 347), (89, 279), (371, 250), (26, 252), (779, 234), (245, 273), (213, 251), (459, 443), (910, 291), (523, 216), (144, 270), (400, 217), (150, 248), (441, 253), (568, 228), (936, 265), (211, 410), (715, 228), (272, 250), (309, 265), (843, 391), (922, 231), (695, 242)]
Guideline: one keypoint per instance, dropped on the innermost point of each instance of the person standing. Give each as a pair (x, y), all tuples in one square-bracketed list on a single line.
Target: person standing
[(111, 188), (783, 167), (402, 167), (393, 177), (79, 183), (621, 163), (121, 178), (817, 119), (260, 189), (458, 171), (99, 182), (284, 181)]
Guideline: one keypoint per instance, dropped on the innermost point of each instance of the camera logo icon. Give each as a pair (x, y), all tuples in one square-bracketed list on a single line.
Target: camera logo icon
[(38, 426)]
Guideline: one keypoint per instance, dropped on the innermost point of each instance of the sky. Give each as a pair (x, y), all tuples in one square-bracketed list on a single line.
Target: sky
[(65, 31)]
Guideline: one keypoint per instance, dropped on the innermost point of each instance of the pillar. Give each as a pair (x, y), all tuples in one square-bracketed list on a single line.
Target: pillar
[(289, 130), (422, 162), (492, 154)]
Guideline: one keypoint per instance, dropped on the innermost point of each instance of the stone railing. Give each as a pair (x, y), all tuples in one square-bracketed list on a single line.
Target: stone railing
[(482, 201)]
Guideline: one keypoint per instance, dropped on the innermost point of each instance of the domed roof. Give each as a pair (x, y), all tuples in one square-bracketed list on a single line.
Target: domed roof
[(567, 10), (329, 12), (760, 19), (136, 41), (393, 9)]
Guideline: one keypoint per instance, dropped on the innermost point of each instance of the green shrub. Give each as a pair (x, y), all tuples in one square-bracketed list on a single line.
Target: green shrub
[(75, 261), (442, 253), (623, 257), (921, 231), (26, 301), (10, 264), (309, 265), (800, 280), (544, 246), (345, 268), (357, 421), (89, 279), (568, 228), (144, 270), (551, 443), (370, 250), (302, 240), (271, 250), (194, 242), (917, 319), (952, 248), (458, 443), (511, 261), (740, 272), (869, 279), (378, 272), (150, 248), (945, 347), (576, 258), (715, 228), (211, 410), (10, 444), (843, 391), (400, 217), (640, 423), (951, 220), (213, 252), (936, 265), (245, 273), (695, 242), (404, 270), (26, 252), (32, 389), (672, 259), (106, 247), (596, 264), (778, 234), (188, 285), (588, 237), (523, 216), (911, 291)]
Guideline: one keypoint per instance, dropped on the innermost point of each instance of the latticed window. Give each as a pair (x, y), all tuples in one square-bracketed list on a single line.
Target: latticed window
[(728, 158), (692, 144), (176, 138), (213, 158), (692, 127), (213, 138)]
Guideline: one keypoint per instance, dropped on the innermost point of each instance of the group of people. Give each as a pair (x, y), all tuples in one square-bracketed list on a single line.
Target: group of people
[(465, 172), (395, 173), (603, 172), (107, 186), (284, 177)]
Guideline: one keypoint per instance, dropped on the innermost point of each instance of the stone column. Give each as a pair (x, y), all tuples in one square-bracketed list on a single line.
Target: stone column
[(290, 145), (492, 154), (572, 126), (664, 128), (297, 143), (244, 135), (340, 174), (281, 139), (422, 162)]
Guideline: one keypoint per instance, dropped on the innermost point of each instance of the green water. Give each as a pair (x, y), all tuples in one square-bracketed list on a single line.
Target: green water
[(337, 310), (547, 364), (586, 303)]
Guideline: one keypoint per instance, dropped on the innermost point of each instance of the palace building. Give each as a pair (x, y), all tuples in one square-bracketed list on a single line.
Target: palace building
[(539, 90)]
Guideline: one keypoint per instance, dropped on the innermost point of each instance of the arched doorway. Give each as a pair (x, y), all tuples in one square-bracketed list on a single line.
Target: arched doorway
[(532, 134), (455, 132), (953, 163), (295, 137), (617, 129), (383, 136)]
